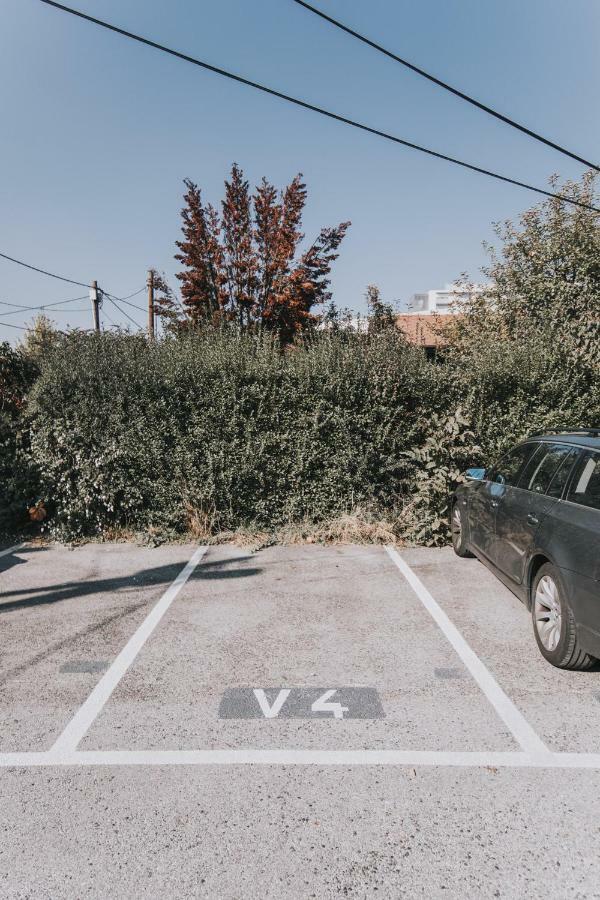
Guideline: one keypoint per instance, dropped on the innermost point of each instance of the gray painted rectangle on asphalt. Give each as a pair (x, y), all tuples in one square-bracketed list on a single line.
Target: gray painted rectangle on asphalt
[(301, 703), (84, 665), (447, 673)]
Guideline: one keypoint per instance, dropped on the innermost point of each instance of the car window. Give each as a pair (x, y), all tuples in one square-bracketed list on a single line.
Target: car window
[(540, 470), (507, 471), (562, 475), (585, 484)]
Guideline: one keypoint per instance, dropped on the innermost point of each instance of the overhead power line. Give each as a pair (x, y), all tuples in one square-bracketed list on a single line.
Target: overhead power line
[(55, 303), (62, 278), (20, 307), (323, 112), (126, 299), (445, 86), (10, 325), (42, 271), (122, 311), (112, 322), (20, 312)]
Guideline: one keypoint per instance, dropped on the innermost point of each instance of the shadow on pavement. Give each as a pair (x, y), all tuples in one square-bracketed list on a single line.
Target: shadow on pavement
[(146, 578), (12, 559)]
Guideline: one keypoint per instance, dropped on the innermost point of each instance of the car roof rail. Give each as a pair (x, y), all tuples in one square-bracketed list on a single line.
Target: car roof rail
[(589, 432)]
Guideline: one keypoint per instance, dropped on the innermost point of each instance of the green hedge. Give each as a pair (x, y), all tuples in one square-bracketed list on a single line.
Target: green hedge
[(223, 431), (131, 434), (18, 477)]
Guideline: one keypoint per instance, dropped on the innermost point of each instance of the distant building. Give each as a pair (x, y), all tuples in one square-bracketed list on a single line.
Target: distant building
[(423, 329), (444, 300)]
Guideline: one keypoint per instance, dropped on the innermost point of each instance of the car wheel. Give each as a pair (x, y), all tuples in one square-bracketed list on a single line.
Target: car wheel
[(554, 623), (457, 529)]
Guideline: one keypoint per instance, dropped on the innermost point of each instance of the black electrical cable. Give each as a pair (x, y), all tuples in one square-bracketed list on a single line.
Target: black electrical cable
[(313, 108), (445, 86), (135, 293), (113, 323), (14, 312), (122, 311), (9, 325), (19, 312), (42, 271), (126, 299)]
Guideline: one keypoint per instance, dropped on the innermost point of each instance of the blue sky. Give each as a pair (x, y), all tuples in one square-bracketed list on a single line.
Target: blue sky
[(99, 132)]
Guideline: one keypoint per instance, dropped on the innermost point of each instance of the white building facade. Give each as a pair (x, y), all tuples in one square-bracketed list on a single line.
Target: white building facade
[(442, 301)]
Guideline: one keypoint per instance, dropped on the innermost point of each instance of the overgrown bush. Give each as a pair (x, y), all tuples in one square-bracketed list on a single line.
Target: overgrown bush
[(220, 431), (226, 429), (18, 476)]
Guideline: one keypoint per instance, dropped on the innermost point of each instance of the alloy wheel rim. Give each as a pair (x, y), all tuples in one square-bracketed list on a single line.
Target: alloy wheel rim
[(456, 525), (547, 612)]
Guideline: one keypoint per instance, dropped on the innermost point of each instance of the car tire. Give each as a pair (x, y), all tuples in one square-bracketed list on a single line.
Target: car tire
[(554, 624), (457, 529)]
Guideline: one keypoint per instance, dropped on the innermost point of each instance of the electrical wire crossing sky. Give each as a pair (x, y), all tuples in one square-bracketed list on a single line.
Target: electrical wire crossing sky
[(101, 131)]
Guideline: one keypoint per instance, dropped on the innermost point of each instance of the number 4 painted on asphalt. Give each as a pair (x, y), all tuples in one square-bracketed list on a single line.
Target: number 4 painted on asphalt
[(323, 704)]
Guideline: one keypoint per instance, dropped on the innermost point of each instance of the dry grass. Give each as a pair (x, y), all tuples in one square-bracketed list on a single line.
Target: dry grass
[(201, 523), (349, 528), (356, 527)]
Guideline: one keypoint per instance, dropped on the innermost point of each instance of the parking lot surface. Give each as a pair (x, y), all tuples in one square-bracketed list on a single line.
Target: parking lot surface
[(304, 721)]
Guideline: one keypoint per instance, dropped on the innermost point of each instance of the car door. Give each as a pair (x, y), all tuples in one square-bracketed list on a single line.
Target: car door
[(524, 505), (575, 543), (485, 497)]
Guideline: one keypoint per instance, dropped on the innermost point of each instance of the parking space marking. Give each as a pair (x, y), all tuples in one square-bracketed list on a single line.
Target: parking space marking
[(10, 550), (533, 755), (316, 703), (80, 666), (520, 728), (85, 715), (413, 758)]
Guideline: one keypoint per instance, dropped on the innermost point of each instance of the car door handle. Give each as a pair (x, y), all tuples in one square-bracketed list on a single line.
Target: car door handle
[(533, 520)]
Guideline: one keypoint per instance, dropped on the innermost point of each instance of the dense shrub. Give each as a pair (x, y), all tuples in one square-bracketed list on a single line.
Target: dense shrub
[(18, 478), (220, 431), (226, 427)]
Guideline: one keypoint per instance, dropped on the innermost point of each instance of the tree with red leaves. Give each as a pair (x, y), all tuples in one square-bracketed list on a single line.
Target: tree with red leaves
[(246, 265)]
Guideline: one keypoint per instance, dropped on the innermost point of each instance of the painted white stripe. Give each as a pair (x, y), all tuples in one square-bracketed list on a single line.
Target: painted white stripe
[(85, 715), (505, 708), (510, 760), (10, 550)]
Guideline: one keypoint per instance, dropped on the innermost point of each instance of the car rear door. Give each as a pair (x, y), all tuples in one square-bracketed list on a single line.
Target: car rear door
[(485, 496), (524, 505), (576, 545)]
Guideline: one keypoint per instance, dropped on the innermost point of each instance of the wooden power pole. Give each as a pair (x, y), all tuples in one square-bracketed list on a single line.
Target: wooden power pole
[(151, 304), (94, 297)]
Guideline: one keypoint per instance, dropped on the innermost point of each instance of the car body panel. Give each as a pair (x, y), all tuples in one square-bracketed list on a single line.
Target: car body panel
[(513, 530), (518, 519), (482, 505)]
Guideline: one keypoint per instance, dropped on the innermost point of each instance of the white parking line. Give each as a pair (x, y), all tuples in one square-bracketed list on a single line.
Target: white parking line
[(249, 757), (534, 753), (85, 715), (10, 550), (505, 708)]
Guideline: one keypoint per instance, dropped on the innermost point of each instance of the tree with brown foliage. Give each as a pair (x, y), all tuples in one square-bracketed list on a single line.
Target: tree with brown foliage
[(246, 266)]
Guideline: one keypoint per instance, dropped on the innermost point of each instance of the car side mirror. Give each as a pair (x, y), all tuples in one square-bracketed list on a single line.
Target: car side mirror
[(475, 474)]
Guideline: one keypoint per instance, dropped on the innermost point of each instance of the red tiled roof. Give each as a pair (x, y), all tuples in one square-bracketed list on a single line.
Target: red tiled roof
[(423, 329)]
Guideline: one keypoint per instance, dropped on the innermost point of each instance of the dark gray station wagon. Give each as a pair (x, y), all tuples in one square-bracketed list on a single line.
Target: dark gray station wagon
[(534, 519)]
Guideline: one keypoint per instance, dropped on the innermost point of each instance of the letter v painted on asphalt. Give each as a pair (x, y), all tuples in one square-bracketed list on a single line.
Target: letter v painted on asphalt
[(271, 711)]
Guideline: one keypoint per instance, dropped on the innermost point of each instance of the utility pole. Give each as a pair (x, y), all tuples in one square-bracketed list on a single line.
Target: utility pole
[(151, 304), (94, 297)]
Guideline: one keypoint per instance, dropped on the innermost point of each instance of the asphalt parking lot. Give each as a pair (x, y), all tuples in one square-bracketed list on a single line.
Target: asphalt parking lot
[(304, 721)]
